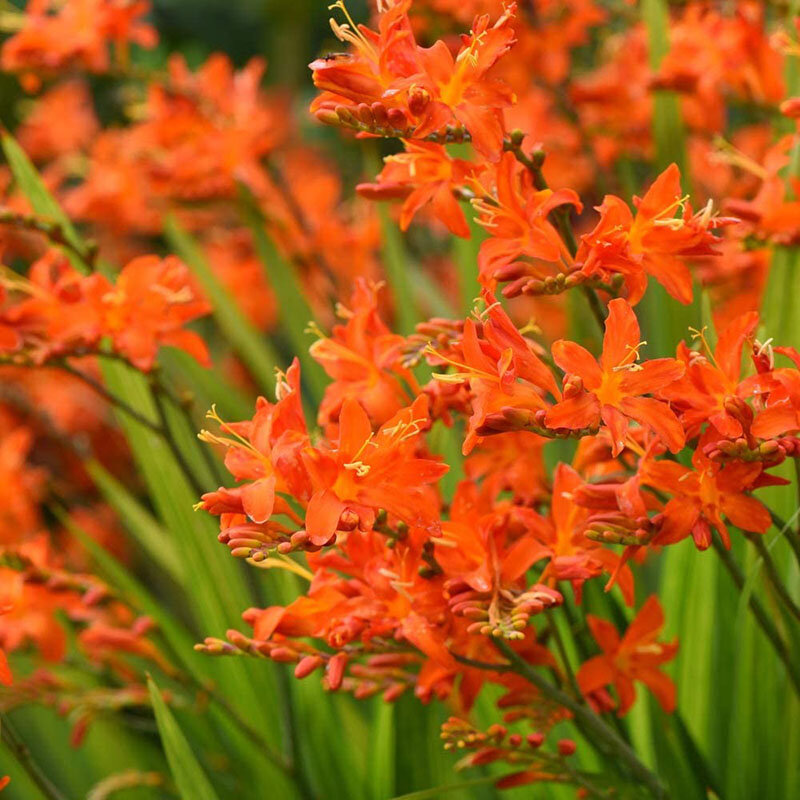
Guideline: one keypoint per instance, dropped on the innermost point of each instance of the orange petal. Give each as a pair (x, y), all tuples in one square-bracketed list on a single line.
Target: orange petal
[(577, 360), (581, 411), (657, 415), (621, 336), (322, 516)]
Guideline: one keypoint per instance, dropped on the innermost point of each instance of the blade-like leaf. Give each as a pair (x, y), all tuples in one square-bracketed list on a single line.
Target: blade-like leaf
[(252, 347), (150, 536), (294, 312), (187, 773), (441, 791), (43, 203)]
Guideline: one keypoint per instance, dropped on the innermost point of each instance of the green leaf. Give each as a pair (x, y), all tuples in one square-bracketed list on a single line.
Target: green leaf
[(381, 761), (189, 777), (465, 255), (43, 203), (150, 536), (668, 127), (441, 791), (294, 311), (252, 347), (396, 262)]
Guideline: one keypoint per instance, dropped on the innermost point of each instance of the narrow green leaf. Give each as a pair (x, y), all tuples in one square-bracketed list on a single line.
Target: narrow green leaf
[(43, 203), (252, 347), (207, 386), (465, 255), (668, 127), (441, 791), (381, 761), (187, 773), (150, 536), (294, 311), (395, 262)]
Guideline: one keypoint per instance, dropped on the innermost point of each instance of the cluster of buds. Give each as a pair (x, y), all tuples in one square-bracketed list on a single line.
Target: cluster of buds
[(769, 453), (256, 545), (496, 743), (306, 657), (503, 613), (553, 284), (618, 528), (387, 674), (90, 588), (80, 705), (511, 418), (375, 119)]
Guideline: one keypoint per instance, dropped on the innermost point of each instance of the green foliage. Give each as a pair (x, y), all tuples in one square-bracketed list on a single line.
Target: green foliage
[(187, 773)]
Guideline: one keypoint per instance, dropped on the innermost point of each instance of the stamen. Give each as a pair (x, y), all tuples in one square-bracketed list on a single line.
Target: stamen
[(632, 366)]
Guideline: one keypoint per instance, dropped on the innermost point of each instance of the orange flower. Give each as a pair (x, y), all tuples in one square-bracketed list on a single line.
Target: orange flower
[(613, 389), (516, 216), (391, 83), (711, 379), (64, 311), (485, 549), (782, 413), (653, 243), (571, 556), (265, 452), (367, 471), (21, 486), (364, 359), (424, 174), (58, 35), (701, 496), (71, 104), (151, 302), (460, 90), (501, 368), (636, 656)]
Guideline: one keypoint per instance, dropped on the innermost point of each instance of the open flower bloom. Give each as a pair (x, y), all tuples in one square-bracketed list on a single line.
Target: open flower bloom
[(613, 388), (782, 414), (501, 368), (264, 454), (58, 35), (485, 550), (63, 312), (700, 497), (365, 472), (655, 242), (363, 357), (517, 216), (391, 82), (571, 556), (425, 173), (711, 379), (637, 656)]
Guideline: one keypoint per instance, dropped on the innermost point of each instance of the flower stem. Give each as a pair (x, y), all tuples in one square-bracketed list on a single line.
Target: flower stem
[(25, 759), (606, 738)]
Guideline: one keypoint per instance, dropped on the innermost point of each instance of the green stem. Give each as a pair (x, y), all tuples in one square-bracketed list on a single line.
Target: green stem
[(605, 737), (562, 651), (560, 216), (25, 759)]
